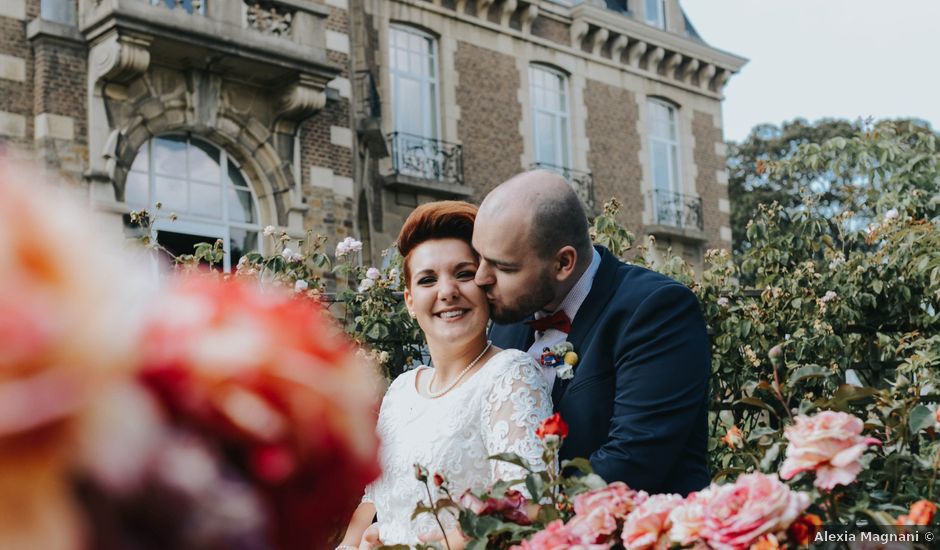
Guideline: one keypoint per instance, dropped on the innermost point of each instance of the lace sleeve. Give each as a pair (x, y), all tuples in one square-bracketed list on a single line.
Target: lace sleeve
[(517, 403)]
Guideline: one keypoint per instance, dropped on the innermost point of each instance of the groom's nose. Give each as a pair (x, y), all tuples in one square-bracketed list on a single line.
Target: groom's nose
[(484, 276)]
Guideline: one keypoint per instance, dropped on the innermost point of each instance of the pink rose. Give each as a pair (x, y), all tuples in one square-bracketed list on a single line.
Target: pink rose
[(593, 528), (511, 507), (648, 525), (737, 514), (829, 443), (558, 536), (688, 518), (617, 498)]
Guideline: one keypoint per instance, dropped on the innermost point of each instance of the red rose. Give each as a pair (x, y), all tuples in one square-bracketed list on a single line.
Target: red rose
[(553, 425), (438, 479), (921, 513)]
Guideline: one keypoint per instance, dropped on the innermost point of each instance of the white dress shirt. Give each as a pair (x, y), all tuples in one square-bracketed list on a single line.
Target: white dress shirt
[(570, 306)]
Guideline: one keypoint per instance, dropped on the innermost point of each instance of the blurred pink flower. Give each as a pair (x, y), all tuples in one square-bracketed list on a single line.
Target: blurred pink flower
[(617, 498), (557, 536), (648, 525), (829, 443), (738, 513)]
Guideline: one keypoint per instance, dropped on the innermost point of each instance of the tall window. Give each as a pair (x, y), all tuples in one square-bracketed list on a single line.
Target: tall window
[(549, 116), (664, 152), (206, 190), (413, 70), (656, 13)]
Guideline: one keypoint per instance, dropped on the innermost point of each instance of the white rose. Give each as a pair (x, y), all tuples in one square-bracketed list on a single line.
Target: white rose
[(268, 230), (366, 284), (891, 214), (373, 273), (300, 286)]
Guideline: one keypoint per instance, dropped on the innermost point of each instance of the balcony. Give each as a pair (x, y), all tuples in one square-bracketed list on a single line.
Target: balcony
[(426, 165), (260, 42), (582, 182), (677, 215)]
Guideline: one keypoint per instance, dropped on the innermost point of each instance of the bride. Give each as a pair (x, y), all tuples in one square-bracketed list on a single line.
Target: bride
[(477, 401)]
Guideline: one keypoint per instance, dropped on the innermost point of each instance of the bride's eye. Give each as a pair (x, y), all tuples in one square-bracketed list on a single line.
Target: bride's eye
[(426, 281), (464, 275)]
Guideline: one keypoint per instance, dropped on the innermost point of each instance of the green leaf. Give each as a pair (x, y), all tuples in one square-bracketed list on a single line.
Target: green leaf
[(920, 418), (755, 402), (582, 464), (535, 485), (512, 458), (806, 372)]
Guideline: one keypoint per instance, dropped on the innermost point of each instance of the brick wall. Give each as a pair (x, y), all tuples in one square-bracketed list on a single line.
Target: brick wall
[(708, 163), (326, 145), (550, 29), (16, 94), (611, 128), (60, 89), (489, 117)]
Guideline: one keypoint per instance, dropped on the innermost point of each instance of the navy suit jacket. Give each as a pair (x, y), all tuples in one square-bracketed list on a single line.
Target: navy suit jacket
[(637, 405)]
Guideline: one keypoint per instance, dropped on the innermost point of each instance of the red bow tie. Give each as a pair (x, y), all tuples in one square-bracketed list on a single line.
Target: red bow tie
[(558, 321)]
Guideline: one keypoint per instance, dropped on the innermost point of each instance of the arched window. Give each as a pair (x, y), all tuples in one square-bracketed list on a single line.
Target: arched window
[(203, 186), (549, 95)]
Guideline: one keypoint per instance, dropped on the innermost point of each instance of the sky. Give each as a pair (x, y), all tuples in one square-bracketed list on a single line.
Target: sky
[(825, 58)]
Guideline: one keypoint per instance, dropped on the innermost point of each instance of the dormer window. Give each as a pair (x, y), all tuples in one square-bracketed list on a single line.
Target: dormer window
[(655, 13)]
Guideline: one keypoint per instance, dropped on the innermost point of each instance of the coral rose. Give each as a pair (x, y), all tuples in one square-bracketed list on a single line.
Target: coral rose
[(648, 526), (829, 443), (921, 513), (756, 504), (803, 530)]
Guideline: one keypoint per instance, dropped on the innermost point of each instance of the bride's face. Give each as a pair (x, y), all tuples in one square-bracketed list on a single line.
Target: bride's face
[(448, 305)]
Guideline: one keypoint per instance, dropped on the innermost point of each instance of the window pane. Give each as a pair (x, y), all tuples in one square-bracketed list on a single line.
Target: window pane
[(242, 242), (135, 189), (660, 158), (545, 138), (205, 200), (408, 110), (172, 193), (240, 206), (235, 176), (169, 155), (204, 162)]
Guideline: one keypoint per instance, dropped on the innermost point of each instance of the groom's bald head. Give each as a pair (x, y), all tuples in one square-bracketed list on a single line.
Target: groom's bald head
[(544, 206)]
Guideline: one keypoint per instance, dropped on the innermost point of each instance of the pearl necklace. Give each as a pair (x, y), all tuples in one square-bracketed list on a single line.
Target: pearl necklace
[(435, 395)]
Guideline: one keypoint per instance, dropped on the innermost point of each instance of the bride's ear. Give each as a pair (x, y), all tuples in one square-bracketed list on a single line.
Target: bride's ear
[(409, 302)]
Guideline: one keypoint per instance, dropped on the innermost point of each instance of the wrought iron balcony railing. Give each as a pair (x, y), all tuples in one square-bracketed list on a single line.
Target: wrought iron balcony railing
[(677, 210), (582, 182), (426, 158)]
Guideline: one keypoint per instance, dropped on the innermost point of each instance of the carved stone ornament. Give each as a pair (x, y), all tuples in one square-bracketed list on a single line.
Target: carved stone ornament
[(269, 17), (300, 100), (121, 57)]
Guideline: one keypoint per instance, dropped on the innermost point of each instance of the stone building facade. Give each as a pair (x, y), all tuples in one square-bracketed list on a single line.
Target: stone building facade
[(340, 116), (622, 97)]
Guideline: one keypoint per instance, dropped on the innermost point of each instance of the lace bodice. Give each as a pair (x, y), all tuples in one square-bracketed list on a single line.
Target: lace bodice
[(496, 410)]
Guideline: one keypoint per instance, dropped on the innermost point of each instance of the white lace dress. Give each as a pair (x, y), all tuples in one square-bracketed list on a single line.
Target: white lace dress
[(496, 410)]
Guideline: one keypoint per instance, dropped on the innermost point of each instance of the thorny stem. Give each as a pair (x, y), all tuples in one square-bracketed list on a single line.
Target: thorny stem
[(786, 405), (427, 487)]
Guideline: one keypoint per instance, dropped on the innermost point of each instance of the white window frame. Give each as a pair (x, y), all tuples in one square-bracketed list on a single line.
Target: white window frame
[(561, 118), (655, 108), (656, 18), (190, 224), (429, 83)]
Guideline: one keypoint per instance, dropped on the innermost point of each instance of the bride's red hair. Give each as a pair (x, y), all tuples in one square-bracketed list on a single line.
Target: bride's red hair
[(435, 220)]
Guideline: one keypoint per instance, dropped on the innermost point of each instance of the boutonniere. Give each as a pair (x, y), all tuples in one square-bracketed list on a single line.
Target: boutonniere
[(560, 357)]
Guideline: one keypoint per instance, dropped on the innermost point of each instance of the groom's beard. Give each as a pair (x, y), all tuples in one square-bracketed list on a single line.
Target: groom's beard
[(540, 295)]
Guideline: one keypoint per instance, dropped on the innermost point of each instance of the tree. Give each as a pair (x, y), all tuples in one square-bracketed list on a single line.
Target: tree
[(847, 187)]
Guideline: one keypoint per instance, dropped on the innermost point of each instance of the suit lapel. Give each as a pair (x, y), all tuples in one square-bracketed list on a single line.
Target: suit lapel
[(588, 313)]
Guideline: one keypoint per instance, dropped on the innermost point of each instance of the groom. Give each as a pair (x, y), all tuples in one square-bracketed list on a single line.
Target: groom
[(637, 404)]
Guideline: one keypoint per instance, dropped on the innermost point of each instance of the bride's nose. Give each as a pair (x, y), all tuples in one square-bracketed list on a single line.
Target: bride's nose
[(447, 290)]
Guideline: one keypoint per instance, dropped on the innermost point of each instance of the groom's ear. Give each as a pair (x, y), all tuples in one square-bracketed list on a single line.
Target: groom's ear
[(565, 261)]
